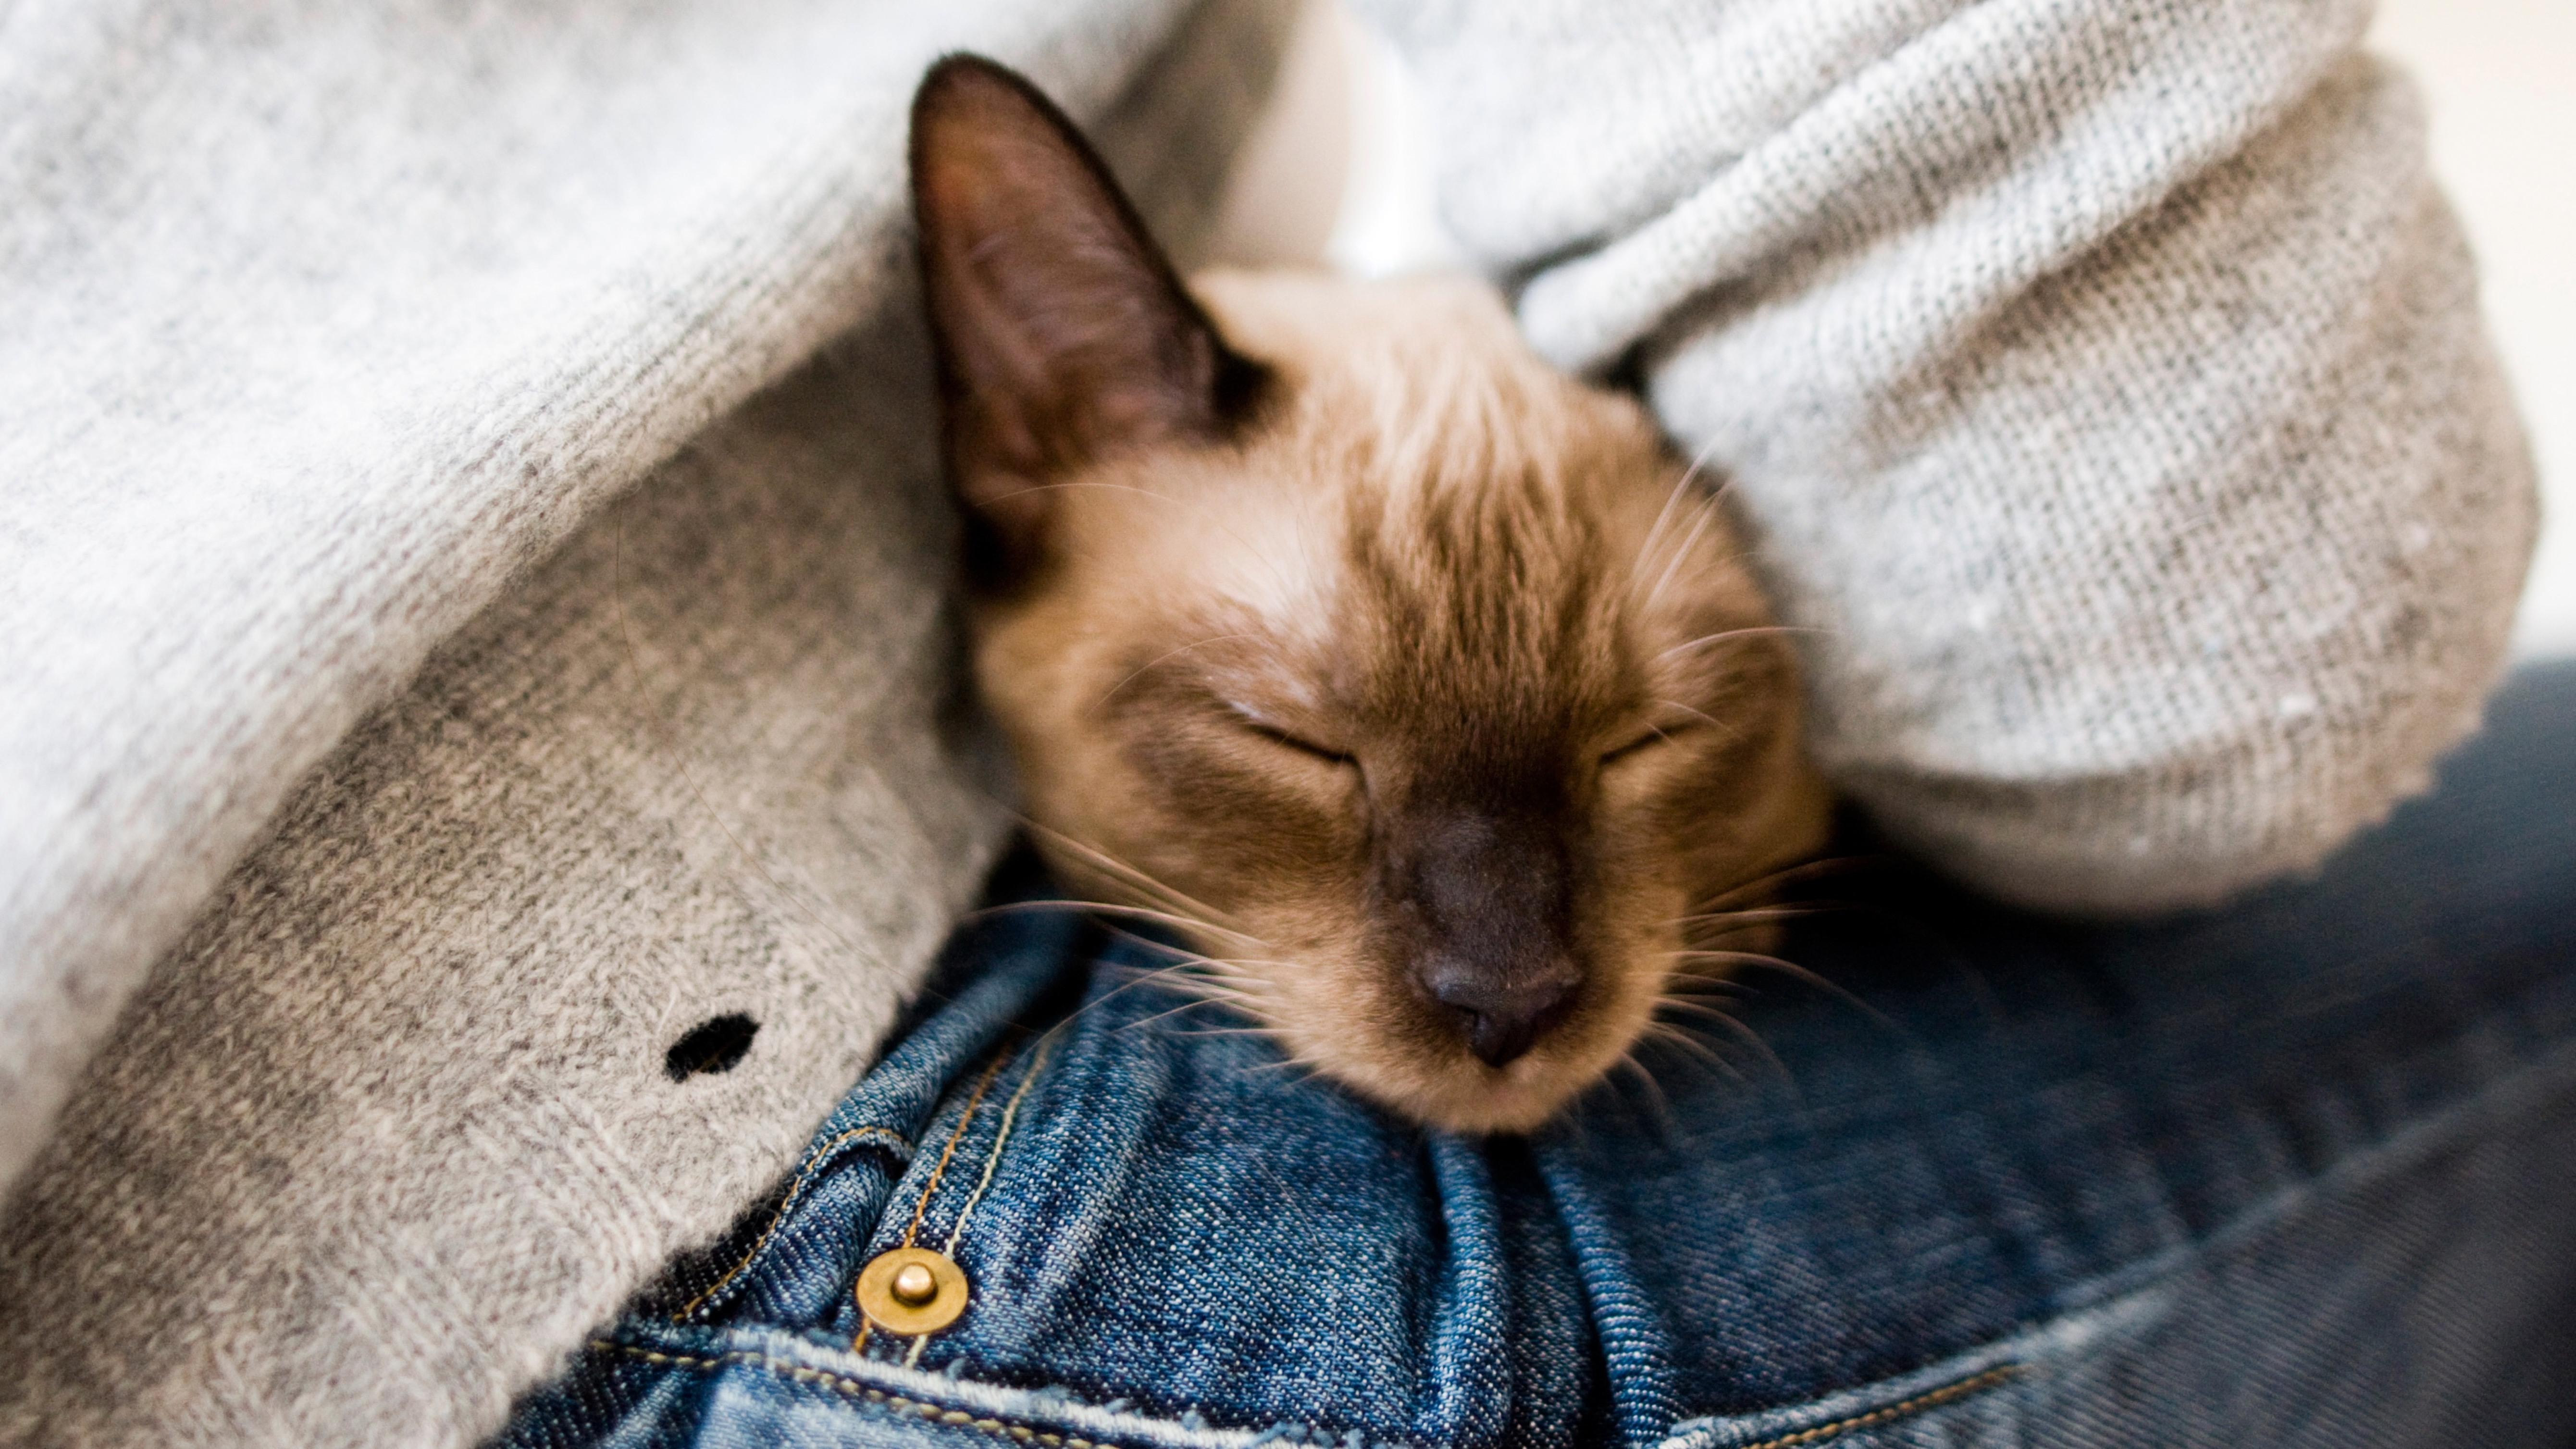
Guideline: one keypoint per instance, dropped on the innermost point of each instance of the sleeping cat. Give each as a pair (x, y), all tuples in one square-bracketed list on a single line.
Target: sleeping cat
[(1421, 687)]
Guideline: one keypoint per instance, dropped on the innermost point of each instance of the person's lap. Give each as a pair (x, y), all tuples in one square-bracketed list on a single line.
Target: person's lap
[(2293, 1172)]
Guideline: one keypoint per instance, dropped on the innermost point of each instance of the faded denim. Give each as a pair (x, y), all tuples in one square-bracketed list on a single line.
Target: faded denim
[(2302, 1172)]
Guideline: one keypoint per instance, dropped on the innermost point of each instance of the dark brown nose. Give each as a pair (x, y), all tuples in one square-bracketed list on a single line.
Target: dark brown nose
[(1489, 896), (1503, 1017)]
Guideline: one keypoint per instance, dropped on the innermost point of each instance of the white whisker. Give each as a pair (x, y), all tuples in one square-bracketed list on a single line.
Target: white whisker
[(1707, 511), (1655, 531), (1726, 729), (1801, 973), (1654, 1089), (1790, 875), (1143, 668), (1750, 630), (1667, 1032), (1753, 1039)]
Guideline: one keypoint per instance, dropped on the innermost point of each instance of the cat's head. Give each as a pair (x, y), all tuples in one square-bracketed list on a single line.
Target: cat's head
[(1416, 679)]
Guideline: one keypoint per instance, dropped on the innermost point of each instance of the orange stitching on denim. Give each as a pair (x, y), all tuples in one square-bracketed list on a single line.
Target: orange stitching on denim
[(1001, 1139), (813, 1164), (921, 1205), (964, 1119), (934, 1185), (1947, 1393), (852, 1388)]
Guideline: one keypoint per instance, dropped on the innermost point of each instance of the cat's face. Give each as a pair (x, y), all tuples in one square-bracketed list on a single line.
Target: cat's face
[(1414, 680)]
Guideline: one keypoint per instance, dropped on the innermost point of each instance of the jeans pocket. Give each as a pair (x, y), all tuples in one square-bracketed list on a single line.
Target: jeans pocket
[(1993, 1395)]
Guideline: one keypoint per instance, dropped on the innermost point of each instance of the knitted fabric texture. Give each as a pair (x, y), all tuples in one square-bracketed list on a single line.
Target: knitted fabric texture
[(469, 624), (2103, 382)]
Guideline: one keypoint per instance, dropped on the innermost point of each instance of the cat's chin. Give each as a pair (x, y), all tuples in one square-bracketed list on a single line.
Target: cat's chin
[(1486, 1102), (1472, 1099)]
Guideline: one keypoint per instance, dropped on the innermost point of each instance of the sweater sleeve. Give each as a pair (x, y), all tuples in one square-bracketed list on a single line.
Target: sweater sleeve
[(2103, 382)]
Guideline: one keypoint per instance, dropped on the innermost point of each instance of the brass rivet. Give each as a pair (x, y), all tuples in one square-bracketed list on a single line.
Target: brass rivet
[(911, 1290), (914, 1285)]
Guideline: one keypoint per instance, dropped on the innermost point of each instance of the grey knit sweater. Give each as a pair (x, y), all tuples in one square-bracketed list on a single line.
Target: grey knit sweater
[(470, 612), (2103, 379), (469, 579)]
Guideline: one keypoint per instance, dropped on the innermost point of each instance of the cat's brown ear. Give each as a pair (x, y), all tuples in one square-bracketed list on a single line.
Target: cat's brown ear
[(1063, 335)]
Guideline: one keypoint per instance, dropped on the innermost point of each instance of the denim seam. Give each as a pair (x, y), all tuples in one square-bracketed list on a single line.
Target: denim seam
[(957, 1134), (1929, 1399), (813, 1167), (990, 1423), (853, 1388), (921, 1205), (992, 1160), (1001, 1139)]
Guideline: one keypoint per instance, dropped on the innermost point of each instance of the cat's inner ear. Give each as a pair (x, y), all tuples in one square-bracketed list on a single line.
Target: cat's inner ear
[(1063, 335)]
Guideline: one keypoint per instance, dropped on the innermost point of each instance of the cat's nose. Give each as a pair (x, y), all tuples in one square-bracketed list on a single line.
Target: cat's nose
[(1503, 1018)]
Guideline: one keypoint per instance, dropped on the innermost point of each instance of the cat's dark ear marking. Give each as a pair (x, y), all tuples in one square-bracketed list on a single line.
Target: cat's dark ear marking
[(1062, 332)]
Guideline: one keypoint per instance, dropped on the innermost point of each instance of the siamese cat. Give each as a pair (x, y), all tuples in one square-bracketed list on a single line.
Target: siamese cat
[(1422, 688)]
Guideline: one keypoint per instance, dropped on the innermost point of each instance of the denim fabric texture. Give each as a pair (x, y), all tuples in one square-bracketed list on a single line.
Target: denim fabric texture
[(2298, 1172)]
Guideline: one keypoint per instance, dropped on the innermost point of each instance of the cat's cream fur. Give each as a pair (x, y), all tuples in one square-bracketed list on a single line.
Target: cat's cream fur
[(1416, 682)]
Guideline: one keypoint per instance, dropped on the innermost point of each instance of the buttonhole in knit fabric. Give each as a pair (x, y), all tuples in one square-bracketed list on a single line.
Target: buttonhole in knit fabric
[(711, 1046)]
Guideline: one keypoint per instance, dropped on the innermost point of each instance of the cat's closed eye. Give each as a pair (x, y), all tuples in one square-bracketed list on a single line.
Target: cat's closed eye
[(1650, 738), (1262, 728)]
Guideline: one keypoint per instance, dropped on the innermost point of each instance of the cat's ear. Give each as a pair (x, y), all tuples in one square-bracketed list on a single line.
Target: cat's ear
[(1063, 335)]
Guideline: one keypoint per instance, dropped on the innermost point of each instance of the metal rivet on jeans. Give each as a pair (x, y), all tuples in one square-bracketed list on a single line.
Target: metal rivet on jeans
[(912, 1290)]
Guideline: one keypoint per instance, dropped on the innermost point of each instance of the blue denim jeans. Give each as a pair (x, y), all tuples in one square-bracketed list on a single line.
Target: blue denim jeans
[(2299, 1172)]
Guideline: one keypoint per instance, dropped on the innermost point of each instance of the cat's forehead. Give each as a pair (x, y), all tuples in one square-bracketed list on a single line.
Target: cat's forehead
[(1418, 409), (1425, 511)]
